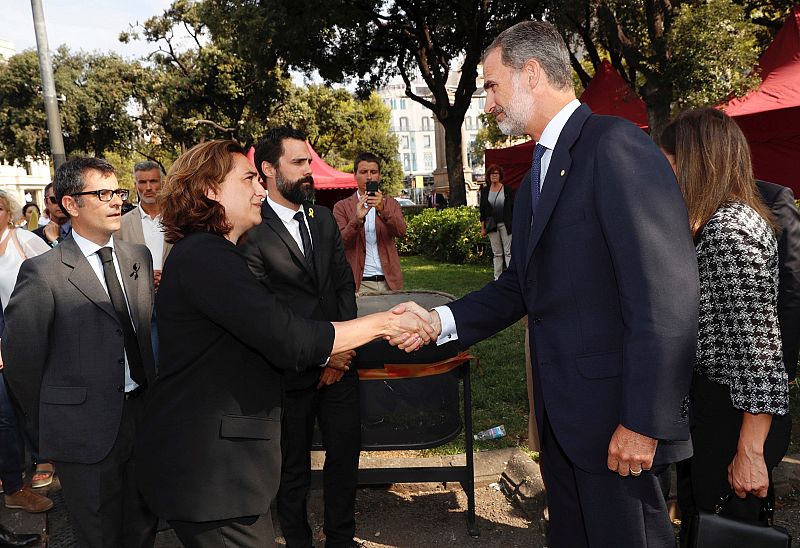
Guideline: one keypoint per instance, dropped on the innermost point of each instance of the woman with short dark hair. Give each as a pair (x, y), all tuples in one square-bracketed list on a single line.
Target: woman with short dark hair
[(740, 424), (496, 213), (208, 454)]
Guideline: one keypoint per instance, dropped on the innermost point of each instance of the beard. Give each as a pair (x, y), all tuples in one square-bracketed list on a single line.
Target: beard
[(297, 191), (519, 110)]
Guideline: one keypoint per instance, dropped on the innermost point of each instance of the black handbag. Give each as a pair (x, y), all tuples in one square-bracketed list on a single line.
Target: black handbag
[(711, 530), (491, 224)]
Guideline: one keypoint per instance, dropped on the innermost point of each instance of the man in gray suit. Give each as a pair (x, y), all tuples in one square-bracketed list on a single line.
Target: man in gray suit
[(142, 225), (78, 357)]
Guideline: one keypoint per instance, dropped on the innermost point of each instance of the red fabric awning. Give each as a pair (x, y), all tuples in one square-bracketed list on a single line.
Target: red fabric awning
[(770, 116), (608, 93)]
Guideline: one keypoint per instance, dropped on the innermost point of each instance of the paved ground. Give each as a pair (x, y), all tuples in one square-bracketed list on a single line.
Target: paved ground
[(431, 514)]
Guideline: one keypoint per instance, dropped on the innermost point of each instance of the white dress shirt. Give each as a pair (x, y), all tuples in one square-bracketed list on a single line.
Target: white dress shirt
[(89, 250), (372, 259), (286, 215), (153, 237), (549, 138)]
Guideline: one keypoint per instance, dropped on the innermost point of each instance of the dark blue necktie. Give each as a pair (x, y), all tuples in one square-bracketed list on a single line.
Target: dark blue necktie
[(536, 175)]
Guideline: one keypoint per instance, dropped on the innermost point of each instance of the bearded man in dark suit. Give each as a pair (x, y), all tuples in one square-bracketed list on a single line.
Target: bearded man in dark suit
[(297, 253)]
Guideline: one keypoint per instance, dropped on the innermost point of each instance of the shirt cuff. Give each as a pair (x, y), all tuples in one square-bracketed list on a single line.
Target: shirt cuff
[(325, 364), (448, 322)]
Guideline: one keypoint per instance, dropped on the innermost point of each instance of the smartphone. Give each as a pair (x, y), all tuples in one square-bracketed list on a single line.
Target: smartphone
[(372, 188)]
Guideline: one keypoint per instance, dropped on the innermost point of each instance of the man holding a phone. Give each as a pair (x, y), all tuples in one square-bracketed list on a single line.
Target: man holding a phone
[(370, 222)]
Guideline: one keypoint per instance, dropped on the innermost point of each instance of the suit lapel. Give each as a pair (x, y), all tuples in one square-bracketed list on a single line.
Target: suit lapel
[(130, 272), (274, 222), (557, 174), (83, 277), (138, 231)]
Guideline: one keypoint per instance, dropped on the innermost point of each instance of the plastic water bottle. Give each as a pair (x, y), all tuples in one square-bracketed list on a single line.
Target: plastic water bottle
[(491, 433)]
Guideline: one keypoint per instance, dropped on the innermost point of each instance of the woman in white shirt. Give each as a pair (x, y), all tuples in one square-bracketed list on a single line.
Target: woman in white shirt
[(15, 246)]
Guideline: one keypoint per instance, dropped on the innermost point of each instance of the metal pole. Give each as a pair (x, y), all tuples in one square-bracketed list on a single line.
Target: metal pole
[(48, 87)]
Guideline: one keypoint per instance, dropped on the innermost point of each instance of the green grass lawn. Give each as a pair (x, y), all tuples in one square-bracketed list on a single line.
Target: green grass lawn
[(499, 395)]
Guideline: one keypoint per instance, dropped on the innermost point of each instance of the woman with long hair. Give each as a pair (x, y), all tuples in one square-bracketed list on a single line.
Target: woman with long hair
[(740, 423), (208, 454)]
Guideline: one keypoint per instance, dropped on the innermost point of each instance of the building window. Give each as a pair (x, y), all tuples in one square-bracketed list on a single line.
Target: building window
[(404, 141), (403, 123), (426, 123), (406, 162), (468, 122), (402, 104), (482, 103), (413, 161), (427, 159), (393, 102), (426, 141)]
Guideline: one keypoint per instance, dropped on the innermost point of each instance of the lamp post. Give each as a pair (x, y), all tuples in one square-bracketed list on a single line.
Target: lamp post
[(48, 87)]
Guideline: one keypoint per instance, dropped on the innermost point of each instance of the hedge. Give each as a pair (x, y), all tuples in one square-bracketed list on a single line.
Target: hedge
[(451, 235)]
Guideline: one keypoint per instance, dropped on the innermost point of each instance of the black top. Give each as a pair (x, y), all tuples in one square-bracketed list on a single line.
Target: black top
[(486, 207), (214, 411)]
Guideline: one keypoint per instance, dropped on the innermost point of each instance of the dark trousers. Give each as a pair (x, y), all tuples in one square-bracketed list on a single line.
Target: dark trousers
[(244, 532), (11, 464), (105, 507), (336, 407), (599, 510), (703, 479)]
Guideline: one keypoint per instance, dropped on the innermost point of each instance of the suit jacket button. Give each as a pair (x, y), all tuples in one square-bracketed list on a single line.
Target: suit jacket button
[(120, 388), (537, 321), (119, 332), (121, 361)]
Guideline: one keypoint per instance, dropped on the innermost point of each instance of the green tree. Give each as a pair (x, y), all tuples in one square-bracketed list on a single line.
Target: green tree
[(97, 90), (439, 40)]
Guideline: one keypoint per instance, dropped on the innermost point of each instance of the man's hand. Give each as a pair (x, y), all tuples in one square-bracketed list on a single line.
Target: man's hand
[(376, 201), (630, 452), (332, 374), (407, 341), (156, 279), (483, 231), (362, 209)]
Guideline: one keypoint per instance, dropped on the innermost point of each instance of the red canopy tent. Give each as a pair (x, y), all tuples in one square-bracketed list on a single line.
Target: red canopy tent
[(607, 93), (330, 184), (770, 115)]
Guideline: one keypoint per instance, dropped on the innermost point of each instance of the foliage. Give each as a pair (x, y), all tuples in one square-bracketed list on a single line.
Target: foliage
[(97, 90), (439, 40), (450, 235), (714, 48)]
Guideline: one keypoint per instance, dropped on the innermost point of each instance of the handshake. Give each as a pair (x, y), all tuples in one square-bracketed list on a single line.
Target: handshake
[(409, 326)]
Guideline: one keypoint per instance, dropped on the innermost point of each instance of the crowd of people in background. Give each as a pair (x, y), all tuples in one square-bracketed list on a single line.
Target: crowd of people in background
[(160, 357)]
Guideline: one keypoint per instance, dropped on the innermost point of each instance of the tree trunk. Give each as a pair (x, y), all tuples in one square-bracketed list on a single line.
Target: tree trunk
[(656, 95), (455, 164)]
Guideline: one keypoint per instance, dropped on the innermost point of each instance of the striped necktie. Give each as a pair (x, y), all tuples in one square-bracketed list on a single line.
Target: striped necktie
[(536, 175)]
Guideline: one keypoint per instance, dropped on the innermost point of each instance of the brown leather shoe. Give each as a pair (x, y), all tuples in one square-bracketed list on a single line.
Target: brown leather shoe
[(29, 501)]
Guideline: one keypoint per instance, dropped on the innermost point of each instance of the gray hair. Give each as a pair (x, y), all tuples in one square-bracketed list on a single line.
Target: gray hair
[(535, 40), (147, 165)]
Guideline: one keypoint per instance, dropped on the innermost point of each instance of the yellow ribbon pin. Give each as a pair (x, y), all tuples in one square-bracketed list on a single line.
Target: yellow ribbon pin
[(311, 212)]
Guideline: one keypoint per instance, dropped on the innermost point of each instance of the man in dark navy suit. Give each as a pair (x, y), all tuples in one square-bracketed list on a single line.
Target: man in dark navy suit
[(604, 266), (297, 253)]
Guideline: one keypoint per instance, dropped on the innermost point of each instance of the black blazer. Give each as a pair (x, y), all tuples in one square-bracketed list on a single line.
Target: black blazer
[(209, 444), (607, 273), (487, 209), (780, 200), (327, 293)]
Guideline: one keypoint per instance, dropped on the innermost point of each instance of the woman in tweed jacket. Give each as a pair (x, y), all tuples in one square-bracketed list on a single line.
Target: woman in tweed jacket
[(740, 401)]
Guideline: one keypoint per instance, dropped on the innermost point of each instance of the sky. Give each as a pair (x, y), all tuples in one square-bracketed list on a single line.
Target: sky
[(91, 25)]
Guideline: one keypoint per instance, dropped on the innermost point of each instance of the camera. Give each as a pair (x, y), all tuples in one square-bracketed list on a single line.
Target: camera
[(372, 188)]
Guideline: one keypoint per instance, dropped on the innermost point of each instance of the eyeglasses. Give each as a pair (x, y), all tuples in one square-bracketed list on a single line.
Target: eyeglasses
[(52, 199), (105, 194)]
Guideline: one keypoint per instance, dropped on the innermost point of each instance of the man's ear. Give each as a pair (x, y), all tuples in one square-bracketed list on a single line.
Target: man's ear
[(70, 203), (533, 72), (268, 170)]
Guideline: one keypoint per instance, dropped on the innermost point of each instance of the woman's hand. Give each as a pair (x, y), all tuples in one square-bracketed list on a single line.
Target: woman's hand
[(747, 473)]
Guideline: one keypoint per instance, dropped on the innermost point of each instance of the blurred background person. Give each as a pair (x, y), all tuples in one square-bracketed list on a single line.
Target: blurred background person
[(225, 339), (496, 212), (31, 217), (59, 226), (740, 424)]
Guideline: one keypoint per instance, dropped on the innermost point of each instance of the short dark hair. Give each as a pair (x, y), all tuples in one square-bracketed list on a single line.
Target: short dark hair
[(70, 177), (147, 165), (48, 187), (26, 207), (494, 168), (366, 157), (184, 205), (270, 147)]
